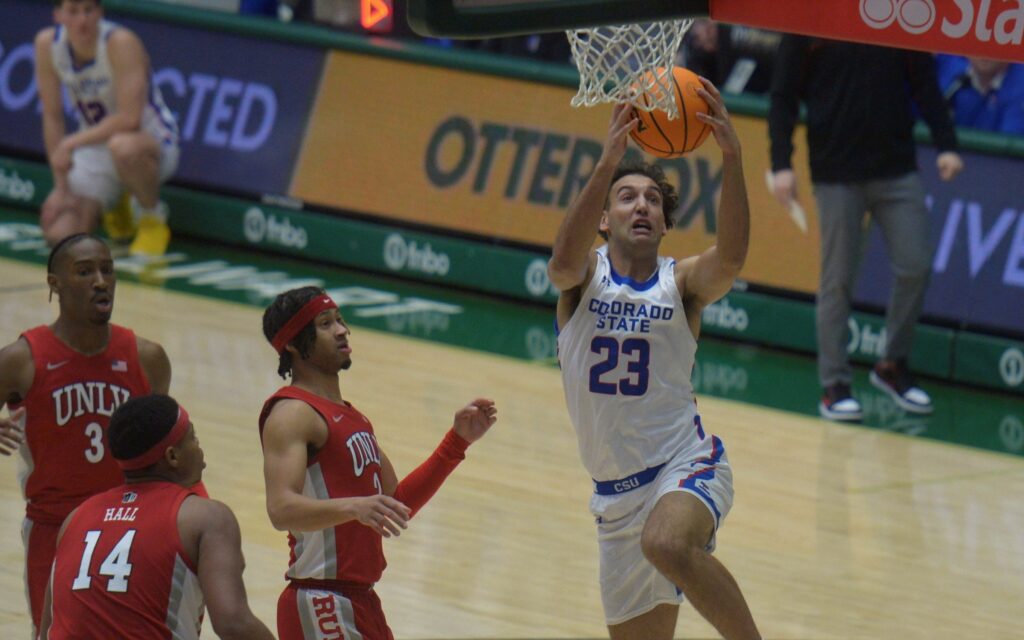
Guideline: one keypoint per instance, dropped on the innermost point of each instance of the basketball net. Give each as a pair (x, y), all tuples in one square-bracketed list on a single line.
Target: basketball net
[(626, 62)]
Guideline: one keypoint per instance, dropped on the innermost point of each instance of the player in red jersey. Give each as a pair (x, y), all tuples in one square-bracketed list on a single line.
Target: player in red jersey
[(61, 383), (139, 561), (329, 484)]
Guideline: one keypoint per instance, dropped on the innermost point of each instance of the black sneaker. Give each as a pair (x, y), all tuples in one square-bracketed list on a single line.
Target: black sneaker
[(893, 377), (838, 403)]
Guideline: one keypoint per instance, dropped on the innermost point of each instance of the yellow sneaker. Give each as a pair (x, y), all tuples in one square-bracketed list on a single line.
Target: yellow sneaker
[(152, 237), (118, 221)]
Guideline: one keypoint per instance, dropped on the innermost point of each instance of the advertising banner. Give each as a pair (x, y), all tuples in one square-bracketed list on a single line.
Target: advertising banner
[(503, 158), (980, 28), (241, 104), (978, 232)]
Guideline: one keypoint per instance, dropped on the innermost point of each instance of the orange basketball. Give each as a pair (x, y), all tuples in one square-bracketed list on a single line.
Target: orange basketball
[(659, 136)]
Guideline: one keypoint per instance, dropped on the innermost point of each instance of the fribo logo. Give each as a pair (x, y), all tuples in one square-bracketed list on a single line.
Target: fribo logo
[(1005, 26), (724, 316), (864, 340), (259, 227), (537, 281), (12, 186), (1011, 367), (399, 255)]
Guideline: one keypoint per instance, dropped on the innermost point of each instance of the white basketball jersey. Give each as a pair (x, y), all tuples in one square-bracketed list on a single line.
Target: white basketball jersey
[(626, 357), (91, 87)]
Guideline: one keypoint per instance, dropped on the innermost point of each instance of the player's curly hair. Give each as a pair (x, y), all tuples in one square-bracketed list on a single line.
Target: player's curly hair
[(140, 423), (669, 197), (284, 306)]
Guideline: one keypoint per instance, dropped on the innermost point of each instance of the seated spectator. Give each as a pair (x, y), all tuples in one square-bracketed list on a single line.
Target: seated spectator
[(982, 93)]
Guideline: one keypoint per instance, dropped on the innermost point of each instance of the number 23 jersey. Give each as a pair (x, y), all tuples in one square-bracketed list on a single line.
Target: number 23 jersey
[(626, 357)]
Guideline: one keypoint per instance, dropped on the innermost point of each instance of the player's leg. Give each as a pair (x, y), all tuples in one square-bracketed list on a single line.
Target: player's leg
[(63, 214), (142, 164), (639, 602), (40, 542), (675, 541), (841, 211), (679, 535), (659, 622), (898, 206)]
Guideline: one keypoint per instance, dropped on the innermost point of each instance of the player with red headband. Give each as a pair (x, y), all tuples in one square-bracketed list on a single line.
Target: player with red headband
[(329, 484), (142, 560), (62, 382)]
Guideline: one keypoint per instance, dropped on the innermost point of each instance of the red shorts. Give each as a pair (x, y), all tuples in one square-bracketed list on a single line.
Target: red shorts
[(323, 612), (40, 541)]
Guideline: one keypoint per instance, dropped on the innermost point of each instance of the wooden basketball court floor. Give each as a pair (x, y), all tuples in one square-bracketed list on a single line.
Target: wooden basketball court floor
[(837, 531)]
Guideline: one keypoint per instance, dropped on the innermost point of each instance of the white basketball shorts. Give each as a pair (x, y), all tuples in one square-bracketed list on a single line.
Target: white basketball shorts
[(93, 174), (630, 585)]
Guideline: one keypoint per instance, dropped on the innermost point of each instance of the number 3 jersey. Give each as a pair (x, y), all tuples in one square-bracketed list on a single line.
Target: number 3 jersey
[(67, 410), (626, 357), (346, 466), (93, 91), (121, 570)]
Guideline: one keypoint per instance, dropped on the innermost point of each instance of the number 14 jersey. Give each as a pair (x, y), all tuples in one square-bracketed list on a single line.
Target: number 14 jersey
[(626, 357)]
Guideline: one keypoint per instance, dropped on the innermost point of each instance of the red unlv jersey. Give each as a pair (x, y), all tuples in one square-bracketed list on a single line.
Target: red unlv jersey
[(67, 411), (121, 571), (347, 465)]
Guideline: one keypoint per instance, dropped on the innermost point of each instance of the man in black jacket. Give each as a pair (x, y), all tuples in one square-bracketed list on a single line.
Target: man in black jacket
[(860, 139)]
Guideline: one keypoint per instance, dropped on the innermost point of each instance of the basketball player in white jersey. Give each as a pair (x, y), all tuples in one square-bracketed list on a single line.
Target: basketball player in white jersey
[(127, 139), (628, 323)]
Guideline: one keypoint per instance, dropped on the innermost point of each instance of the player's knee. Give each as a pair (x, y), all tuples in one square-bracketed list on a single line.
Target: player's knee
[(660, 547), (127, 149)]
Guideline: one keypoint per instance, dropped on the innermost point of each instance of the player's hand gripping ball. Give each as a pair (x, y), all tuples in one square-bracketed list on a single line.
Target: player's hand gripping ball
[(664, 138)]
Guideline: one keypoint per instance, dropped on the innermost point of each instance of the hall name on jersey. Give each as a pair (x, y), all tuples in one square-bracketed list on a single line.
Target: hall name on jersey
[(79, 398), (627, 316), (363, 448), (121, 514)]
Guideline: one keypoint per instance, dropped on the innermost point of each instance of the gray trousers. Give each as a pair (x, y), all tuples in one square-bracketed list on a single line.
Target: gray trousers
[(897, 205)]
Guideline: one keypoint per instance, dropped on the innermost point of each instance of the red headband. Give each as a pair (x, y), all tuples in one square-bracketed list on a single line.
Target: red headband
[(152, 455), (310, 310)]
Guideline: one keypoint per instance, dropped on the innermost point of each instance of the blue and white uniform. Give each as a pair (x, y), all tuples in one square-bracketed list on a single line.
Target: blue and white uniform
[(626, 357), (93, 93)]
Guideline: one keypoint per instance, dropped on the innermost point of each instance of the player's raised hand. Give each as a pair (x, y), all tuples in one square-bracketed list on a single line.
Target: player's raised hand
[(623, 121), (382, 513), (473, 420), (12, 431), (718, 118)]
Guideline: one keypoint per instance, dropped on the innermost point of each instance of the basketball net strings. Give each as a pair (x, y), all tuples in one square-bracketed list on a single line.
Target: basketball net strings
[(624, 63)]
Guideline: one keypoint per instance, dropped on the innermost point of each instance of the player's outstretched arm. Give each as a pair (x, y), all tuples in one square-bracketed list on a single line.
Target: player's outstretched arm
[(219, 562), (712, 273), (290, 429), (16, 373), (155, 364), (571, 255), (471, 423)]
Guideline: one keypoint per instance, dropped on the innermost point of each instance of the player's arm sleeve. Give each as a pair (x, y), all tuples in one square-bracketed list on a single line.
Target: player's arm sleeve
[(417, 488), (220, 567)]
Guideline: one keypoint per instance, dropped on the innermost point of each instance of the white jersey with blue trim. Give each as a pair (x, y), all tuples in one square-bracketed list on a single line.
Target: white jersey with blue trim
[(626, 357), (91, 87)]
